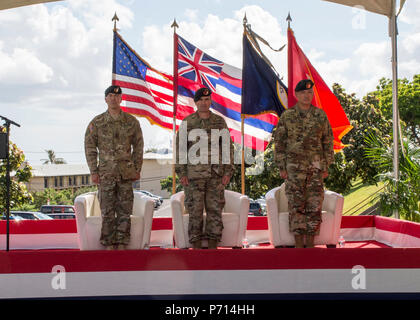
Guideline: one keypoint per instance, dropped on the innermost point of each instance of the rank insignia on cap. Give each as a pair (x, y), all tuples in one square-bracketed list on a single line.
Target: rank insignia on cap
[(113, 89), (304, 85), (202, 92)]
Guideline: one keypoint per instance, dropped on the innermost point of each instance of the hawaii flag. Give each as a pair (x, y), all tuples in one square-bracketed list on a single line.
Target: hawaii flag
[(301, 68), (197, 69)]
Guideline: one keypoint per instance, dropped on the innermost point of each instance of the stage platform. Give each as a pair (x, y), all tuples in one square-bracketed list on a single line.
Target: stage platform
[(381, 257)]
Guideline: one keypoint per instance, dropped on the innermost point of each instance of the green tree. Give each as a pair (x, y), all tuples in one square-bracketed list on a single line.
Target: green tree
[(408, 104), (403, 195), (52, 159), (261, 172), (366, 118), (20, 173), (64, 196), (166, 184)]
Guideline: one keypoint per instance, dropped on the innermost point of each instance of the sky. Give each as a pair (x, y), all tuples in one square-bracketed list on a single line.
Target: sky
[(56, 58)]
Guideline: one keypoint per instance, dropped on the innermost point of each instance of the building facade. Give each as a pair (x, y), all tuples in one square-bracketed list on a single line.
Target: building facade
[(62, 176)]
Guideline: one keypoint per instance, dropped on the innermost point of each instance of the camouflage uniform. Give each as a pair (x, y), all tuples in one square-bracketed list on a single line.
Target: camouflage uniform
[(304, 148), (205, 188), (118, 145)]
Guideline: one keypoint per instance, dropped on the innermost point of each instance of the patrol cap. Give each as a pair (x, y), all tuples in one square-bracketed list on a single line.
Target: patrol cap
[(202, 92), (304, 85), (113, 89)]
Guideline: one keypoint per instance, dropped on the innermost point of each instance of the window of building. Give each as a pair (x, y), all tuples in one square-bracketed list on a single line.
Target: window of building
[(61, 181), (45, 182), (55, 182)]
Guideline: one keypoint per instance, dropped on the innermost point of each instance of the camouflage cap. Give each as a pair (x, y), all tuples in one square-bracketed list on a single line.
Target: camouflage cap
[(113, 89), (304, 85), (202, 92)]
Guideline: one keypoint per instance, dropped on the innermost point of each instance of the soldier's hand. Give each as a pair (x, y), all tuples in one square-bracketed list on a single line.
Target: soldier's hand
[(184, 181), (137, 177), (324, 174), (225, 180), (283, 174), (95, 178)]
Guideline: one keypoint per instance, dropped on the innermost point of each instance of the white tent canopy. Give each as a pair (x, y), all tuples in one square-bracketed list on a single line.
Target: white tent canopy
[(376, 6), (8, 4), (387, 8)]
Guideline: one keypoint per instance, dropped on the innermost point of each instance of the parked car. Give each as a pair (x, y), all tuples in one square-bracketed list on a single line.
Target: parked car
[(62, 215), (57, 211), (29, 215), (57, 208), (255, 208), (261, 201), (158, 200), (11, 217)]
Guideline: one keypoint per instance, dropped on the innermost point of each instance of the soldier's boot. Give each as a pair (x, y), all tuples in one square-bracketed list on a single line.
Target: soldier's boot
[(111, 247), (197, 244), (299, 241), (310, 241), (121, 247), (213, 244)]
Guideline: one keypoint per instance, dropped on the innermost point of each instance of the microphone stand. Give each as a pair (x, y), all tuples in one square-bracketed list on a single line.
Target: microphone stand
[(7, 125)]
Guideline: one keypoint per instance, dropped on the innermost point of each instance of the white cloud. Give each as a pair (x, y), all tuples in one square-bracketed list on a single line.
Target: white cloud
[(23, 67), (191, 14)]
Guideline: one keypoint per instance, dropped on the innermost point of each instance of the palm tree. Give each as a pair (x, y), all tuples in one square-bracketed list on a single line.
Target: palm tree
[(52, 158), (403, 194)]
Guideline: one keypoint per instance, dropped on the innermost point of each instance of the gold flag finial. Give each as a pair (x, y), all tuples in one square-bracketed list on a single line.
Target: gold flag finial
[(174, 24), (288, 19), (115, 19)]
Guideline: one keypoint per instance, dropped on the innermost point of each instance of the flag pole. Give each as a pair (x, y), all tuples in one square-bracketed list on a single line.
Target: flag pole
[(175, 100), (115, 19), (289, 62), (245, 22)]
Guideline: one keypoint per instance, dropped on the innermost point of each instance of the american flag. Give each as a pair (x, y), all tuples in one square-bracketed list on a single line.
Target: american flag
[(197, 69), (147, 92)]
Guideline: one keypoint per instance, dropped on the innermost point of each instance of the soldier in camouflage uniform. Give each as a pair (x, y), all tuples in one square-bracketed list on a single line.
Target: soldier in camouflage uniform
[(114, 153), (204, 167), (304, 150)]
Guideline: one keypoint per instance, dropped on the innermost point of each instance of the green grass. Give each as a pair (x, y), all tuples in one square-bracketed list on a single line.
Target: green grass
[(357, 194)]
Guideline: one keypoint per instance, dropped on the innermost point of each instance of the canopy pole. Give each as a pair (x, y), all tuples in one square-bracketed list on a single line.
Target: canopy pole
[(395, 118)]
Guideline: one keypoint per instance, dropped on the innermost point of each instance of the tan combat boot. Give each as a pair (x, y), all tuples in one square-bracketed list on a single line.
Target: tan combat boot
[(111, 247), (121, 247), (299, 241), (213, 244), (310, 241), (197, 244)]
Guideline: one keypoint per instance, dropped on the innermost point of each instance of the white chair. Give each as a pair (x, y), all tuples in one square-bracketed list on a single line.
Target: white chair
[(89, 221), (234, 217), (278, 218)]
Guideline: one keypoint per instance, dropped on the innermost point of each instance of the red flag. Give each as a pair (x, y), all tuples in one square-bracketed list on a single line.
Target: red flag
[(301, 68)]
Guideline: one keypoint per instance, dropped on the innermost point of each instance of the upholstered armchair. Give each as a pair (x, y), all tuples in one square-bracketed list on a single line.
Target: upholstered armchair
[(278, 218), (89, 221), (234, 217)]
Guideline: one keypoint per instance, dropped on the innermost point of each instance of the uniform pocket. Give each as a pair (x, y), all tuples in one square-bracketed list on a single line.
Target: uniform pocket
[(127, 170)]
